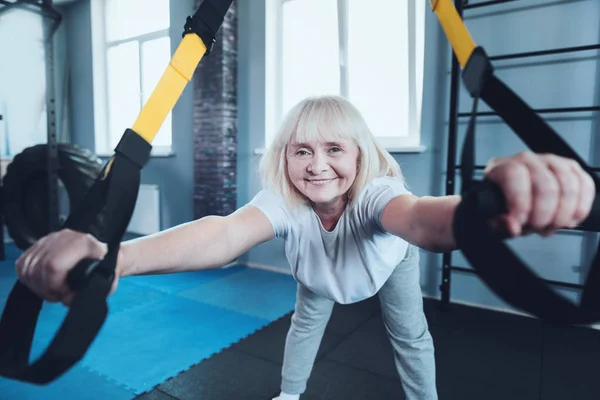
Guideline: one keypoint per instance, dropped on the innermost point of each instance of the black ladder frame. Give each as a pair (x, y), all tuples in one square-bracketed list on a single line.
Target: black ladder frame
[(452, 167)]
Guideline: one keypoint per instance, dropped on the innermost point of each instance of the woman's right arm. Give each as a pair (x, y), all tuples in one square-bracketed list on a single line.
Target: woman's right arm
[(209, 242)]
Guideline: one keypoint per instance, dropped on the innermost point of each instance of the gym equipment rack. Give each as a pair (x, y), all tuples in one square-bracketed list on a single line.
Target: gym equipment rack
[(452, 168), (51, 22)]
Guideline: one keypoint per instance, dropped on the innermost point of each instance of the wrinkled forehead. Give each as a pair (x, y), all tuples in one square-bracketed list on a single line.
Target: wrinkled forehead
[(344, 143)]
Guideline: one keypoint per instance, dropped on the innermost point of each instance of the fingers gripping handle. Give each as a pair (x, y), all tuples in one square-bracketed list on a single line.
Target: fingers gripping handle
[(489, 202), (506, 274), (80, 275)]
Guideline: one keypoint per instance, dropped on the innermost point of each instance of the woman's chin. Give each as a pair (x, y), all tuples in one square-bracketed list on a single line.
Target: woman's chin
[(324, 198)]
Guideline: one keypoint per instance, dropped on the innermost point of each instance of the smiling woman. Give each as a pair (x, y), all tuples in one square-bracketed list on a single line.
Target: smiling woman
[(352, 230), (319, 129), (324, 173)]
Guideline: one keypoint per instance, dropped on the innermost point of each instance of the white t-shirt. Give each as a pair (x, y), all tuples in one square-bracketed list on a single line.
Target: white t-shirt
[(350, 263)]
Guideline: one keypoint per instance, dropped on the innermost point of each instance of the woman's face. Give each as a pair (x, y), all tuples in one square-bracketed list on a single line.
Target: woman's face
[(323, 171)]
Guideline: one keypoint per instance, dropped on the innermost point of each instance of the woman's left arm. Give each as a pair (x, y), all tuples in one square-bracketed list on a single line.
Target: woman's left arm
[(423, 221), (544, 193)]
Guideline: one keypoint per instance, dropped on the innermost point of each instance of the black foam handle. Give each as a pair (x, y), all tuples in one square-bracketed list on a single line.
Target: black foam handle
[(79, 276), (488, 199)]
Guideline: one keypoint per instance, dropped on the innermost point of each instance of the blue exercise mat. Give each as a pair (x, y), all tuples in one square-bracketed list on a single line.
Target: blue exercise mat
[(157, 327)]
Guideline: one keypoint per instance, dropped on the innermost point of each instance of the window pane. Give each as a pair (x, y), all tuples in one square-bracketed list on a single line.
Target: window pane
[(378, 64), (156, 55), (310, 57), (123, 89), (420, 10), (128, 18), (22, 81)]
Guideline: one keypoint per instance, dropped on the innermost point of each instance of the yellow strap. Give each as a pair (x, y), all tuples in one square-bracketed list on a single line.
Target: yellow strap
[(456, 31), (166, 93)]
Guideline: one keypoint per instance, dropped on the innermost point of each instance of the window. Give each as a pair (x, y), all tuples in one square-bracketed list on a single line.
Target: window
[(132, 49), (22, 81), (370, 52)]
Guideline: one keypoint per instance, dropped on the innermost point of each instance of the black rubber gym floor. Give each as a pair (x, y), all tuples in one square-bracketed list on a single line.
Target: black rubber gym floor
[(481, 355)]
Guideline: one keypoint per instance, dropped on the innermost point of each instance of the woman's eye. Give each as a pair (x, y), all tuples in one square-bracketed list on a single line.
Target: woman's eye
[(302, 152), (335, 149)]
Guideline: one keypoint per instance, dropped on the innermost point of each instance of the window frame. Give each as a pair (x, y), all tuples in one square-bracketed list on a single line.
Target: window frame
[(100, 47), (274, 69)]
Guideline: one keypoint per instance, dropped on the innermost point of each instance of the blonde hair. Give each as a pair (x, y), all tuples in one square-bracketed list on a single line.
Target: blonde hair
[(325, 118)]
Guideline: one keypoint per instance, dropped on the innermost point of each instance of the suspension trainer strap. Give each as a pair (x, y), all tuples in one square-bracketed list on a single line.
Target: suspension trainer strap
[(112, 197), (501, 270)]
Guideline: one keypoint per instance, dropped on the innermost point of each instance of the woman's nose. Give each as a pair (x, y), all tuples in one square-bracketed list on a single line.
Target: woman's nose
[(318, 164)]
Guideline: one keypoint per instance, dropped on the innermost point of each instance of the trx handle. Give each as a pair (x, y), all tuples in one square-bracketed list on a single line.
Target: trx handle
[(113, 196), (498, 267)]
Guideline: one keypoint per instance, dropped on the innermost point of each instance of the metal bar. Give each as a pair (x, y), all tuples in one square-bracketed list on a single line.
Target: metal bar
[(52, 146), (546, 52), (6, 7), (548, 281), (140, 38), (33, 6), (2, 249), (45, 8), (2, 252), (482, 167), (539, 111), (463, 269), (563, 284), (343, 46), (486, 3), (452, 144)]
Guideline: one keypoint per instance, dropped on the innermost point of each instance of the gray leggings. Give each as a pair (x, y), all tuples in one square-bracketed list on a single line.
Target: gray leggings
[(402, 310)]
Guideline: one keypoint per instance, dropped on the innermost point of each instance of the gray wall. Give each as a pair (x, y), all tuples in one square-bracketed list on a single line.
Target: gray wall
[(566, 80)]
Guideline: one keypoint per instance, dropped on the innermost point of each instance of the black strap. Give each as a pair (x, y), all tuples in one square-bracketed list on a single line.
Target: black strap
[(207, 21), (500, 269), (113, 196)]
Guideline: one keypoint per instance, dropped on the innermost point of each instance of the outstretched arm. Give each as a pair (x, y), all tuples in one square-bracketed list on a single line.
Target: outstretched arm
[(544, 193), (209, 242), (423, 221)]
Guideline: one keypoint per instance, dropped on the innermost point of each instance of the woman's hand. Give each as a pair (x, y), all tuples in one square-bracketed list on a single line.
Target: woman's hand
[(44, 266), (543, 192)]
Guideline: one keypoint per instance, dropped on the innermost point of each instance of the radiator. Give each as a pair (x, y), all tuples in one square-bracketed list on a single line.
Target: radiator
[(146, 214)]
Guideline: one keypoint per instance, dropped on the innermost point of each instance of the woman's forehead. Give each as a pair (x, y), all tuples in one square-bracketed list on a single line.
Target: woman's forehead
[(295, 142)]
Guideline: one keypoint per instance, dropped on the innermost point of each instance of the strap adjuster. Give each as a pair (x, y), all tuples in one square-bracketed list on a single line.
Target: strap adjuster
[(206, 23), (477, 72), (134, 147)]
